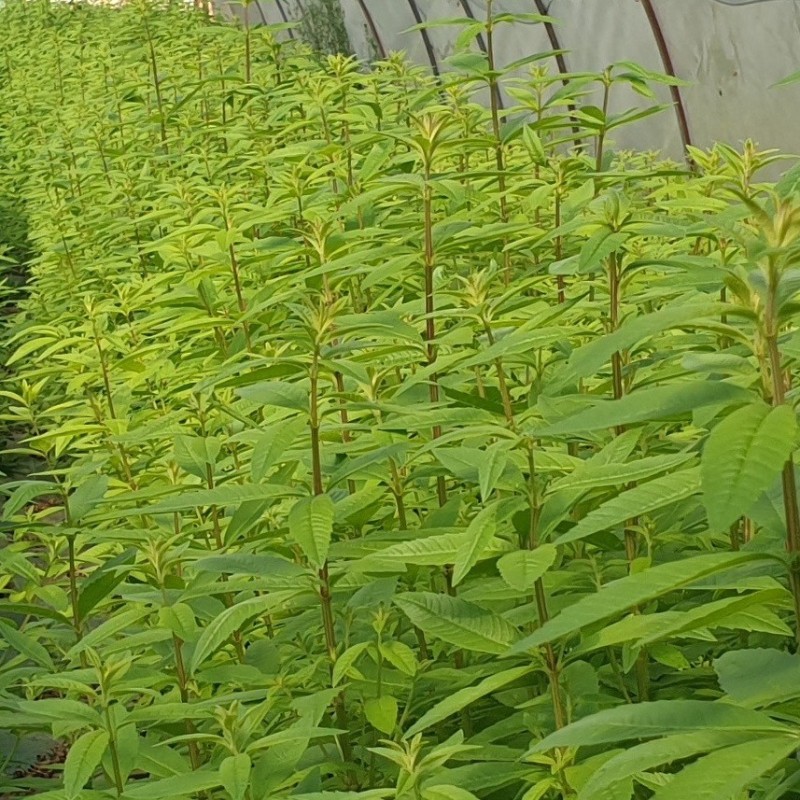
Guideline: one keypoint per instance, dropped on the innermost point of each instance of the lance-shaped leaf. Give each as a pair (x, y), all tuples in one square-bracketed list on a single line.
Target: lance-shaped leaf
[(522, 568), (475, 540), (226, 495), (271, 446), (728, 772), (187, 785), (87, 496), (82, 760), (742, 674), (743, 456), (595, 475), (230, 620), (195, 454), (276, 393), (659, 718), (635, 502), (234, 772), (625, 593), (603, 783), (591, 357), (462, 698), (311, 526), (427, 551), (491, 469), (644, 405), (458, 622), (24, 644)]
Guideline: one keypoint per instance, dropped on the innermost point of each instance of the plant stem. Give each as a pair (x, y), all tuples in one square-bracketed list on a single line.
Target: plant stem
[(499, 153), (430, 307), (601, 137), (73, 587), (540, 594), (778, 391), (113, 747), (157, 85), (325, 595), (614, 279)]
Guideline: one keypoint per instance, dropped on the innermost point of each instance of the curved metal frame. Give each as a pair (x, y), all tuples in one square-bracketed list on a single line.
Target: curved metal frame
[(426, 40), (552, 36), (284, 17), (666, 60), (373, 28)]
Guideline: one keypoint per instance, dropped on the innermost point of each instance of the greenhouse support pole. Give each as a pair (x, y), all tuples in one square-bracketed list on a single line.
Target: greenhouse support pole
[(666, 60)]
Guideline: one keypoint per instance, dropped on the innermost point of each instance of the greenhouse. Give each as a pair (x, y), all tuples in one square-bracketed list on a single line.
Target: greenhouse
[(399, 400), (730, 53)]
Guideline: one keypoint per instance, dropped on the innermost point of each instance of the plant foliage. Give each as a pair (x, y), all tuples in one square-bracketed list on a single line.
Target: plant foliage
[(385, 444)]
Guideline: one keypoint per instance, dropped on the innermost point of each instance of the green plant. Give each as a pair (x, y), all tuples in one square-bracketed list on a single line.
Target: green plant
[(383, 444)]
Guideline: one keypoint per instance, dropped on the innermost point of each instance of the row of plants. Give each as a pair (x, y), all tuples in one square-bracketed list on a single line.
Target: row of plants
[(387, 444)]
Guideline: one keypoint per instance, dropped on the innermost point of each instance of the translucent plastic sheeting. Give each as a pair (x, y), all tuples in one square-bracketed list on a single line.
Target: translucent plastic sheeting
[(731, 52)]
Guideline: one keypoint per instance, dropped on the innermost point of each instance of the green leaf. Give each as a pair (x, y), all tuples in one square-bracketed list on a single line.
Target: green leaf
[(741, 459), (491, 469), (180, 619), (659, 403), (669, 655), (625, 593), (221, 496), (727, 772), (659, 718), (522, 568), (311, 526), (234, 772), (587, 360), (114, 624), (471, 63), (196, 454), (519, 344), (102, 582), (476, 539), (188, 785), (259, 564), (636, 502), (759, 677), (345, 663), (82, 760), (230, 620), (427, 551), (458, 622), (245, 518), (400, 656), (87, 496), (645, 629), (446, 791), (24, 493), (381, 713), (272, 444), (595, 475), (25, 645), (274, 393), (370, 794), (598, 247), (362, 464), (464, 697), (652, 754)]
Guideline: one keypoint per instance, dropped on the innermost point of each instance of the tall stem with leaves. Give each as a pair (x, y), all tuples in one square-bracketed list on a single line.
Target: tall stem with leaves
[(499, 147), (318, 490)]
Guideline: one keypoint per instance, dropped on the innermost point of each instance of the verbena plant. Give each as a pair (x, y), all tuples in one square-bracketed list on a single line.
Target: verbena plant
[(386, 444)]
